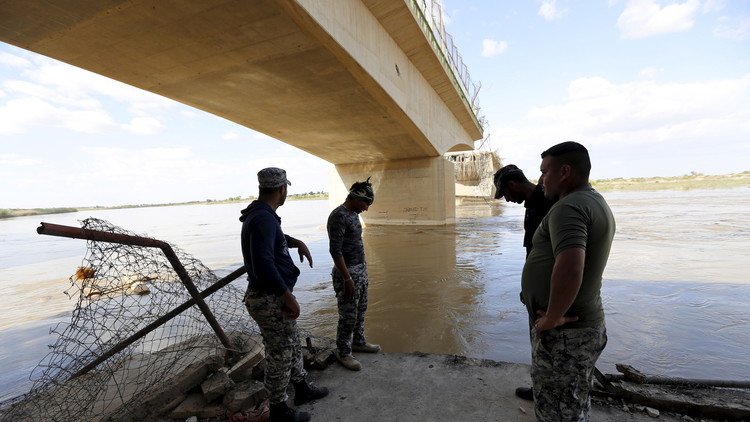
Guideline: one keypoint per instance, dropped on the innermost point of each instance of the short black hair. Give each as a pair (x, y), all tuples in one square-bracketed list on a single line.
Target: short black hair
[(571, 153), (514, 176)]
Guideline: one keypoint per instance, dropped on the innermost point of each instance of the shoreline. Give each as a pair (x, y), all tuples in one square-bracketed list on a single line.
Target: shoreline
[(6, 213), (686, 182)]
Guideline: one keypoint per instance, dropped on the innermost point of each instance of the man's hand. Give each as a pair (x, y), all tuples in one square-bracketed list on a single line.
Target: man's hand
[(349, 288), (304, 252), (544, 323), (291, 307)]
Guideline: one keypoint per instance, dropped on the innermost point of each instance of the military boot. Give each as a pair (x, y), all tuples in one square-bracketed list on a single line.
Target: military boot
[(304, 392), (280, 412), (525, 393), (366, 348)]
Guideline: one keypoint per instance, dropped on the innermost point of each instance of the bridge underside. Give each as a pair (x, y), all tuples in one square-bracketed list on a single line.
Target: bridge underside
[(265, 64)]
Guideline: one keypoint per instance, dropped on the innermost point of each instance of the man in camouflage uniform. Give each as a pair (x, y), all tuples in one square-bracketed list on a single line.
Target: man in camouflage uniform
[(271, 276), (561, 284), (350, 274), (511, 183)]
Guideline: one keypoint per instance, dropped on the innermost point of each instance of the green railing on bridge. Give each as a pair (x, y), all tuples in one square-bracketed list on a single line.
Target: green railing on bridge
[(447, 53)]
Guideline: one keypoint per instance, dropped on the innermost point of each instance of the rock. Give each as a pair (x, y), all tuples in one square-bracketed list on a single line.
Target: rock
[(259, 371), (625, 408), (170, 405), (192, 419), (323, 359), (244, 367), (195, 405), (244, 396), (639, 407), (216, 385), (138, 288), (687, 418), (652, 412)]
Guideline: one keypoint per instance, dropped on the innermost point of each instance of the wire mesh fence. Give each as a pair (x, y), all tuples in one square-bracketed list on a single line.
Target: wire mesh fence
[(120, 290)]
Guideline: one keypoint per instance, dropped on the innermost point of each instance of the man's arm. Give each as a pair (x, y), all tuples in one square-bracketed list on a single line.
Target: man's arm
[(304, 252), (338, 261), (567, 276)]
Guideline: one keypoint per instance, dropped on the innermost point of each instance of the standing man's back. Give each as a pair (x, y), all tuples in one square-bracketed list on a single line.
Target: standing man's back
[(271, 276)]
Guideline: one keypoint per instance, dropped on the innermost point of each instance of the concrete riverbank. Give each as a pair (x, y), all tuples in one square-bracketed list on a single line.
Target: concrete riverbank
[(424, 387)]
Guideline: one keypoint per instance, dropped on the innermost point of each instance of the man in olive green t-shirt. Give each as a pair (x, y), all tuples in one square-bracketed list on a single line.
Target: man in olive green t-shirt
[(561, 281)]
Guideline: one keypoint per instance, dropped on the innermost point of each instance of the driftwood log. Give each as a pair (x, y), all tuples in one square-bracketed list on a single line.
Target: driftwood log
[(631, 374), (717, 399)]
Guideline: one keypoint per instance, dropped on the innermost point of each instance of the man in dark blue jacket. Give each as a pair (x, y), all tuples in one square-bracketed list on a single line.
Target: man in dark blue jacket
[(271, 276)]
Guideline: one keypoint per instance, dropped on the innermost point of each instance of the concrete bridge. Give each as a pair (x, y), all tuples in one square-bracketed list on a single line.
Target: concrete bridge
[(364, 84)]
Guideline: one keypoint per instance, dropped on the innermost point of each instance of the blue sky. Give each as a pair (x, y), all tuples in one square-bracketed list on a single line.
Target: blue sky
[(651, 87)]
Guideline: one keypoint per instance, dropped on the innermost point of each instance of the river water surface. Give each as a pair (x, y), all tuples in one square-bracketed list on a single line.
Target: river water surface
[(675, 292)]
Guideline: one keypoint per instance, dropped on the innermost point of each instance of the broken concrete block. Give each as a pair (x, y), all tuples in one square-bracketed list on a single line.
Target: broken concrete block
[(323, 359), (259, 371), (195, 405), (245, 395), (170, 405), (216, 385), (243, 368)]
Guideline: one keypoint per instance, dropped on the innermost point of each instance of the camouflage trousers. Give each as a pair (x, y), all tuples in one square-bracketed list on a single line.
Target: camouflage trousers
[(351, 328), (281, 340), (562, 365)]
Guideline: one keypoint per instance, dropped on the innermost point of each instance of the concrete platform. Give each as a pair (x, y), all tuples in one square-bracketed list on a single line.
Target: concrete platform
[(422, 387)]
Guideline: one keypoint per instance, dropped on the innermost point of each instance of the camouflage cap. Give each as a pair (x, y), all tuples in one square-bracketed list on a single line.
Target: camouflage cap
[(500, 176), (272, 177)]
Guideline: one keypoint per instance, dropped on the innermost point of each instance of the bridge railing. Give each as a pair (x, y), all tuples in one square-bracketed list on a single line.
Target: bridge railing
[(433, 25)]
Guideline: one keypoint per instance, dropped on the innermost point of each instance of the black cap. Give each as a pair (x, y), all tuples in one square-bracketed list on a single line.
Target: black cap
[(500, 176)]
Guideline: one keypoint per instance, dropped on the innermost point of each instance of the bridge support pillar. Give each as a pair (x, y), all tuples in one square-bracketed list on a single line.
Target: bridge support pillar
[(414, 191)]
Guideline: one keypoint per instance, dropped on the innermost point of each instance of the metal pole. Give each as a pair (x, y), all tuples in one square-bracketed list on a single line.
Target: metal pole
[(182, 273)]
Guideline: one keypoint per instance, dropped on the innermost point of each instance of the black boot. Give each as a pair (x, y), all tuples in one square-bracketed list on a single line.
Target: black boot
[(280, 412), (304, 392), (525, 393)]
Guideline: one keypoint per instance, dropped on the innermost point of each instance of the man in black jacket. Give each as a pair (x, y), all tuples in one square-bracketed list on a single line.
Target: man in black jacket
[(271, 276), (511, 183)]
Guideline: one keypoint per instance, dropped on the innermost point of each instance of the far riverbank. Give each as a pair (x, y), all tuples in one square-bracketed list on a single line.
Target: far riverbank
[(25, 212), (686, 182)]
